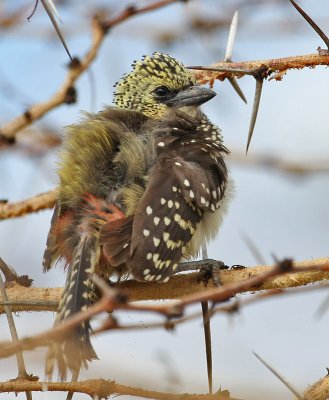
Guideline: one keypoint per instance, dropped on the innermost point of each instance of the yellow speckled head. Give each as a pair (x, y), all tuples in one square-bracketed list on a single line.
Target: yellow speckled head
[(152, 83)]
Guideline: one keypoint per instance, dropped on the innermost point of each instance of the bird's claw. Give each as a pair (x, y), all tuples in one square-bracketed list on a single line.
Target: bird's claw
[(211, 270)]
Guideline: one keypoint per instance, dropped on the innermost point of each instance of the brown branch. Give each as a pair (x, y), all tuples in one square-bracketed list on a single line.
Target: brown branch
[(103, 389), (46, 299), (298, 168), (319, 390), (36, 203), (115, 299), (302, 167), (66, 93), (279, 66)]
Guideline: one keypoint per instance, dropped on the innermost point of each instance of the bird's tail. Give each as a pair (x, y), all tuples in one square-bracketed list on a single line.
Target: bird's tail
[(75, 350)]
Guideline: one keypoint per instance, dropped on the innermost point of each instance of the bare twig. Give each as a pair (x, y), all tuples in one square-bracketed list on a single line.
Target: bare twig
[(41, 299), (105, 388), (66, 93), (269, 67), (302, 167), (14, 335), (319, 390), (115, 299), (36, 203)]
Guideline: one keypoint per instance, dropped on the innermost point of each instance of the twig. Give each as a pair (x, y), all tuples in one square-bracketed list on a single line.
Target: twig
[(105, 388), (114, 299), (14, 335), (319, 390), (36, 203), (66, 93), (302, 168), (41, 299), (275, 66)]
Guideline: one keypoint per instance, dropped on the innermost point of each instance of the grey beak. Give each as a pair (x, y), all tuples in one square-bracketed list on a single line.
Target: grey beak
[(192, 96)]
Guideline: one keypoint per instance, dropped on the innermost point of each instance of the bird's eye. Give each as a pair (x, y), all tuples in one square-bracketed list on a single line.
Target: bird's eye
[(161, 91)]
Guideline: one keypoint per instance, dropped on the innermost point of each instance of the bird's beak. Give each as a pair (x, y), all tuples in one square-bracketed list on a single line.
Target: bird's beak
[(192, 96)]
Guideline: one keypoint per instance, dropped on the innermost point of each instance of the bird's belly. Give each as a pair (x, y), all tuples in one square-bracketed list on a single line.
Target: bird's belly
[(209, 225)]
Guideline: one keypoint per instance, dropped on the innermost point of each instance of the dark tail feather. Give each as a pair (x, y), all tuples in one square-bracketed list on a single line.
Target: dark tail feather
[(48, 256), (76, 349)]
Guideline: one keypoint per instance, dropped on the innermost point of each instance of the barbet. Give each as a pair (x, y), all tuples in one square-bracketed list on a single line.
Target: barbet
[(141, 187)]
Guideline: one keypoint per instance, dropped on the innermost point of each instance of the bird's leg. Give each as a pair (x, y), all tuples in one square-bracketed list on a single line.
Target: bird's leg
[(208, 268)]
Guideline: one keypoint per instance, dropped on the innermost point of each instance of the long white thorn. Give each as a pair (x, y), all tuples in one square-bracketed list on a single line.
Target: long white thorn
[(231, 37)]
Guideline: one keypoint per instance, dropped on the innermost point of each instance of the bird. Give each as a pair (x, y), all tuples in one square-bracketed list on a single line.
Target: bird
[(143, 185)]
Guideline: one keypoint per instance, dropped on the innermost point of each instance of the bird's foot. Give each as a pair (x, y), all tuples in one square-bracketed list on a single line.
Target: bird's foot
[(211, 270), (208, 269)]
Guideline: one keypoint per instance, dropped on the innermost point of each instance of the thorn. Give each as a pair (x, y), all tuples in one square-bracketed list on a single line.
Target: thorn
[(229, 52), (207, 329), (48, 6), (74, 378), (280, 377), (253, 249), (322, 309), (317, 29), (255, 108), (207, 339), (244, 71), (231, 37), (237, 89)]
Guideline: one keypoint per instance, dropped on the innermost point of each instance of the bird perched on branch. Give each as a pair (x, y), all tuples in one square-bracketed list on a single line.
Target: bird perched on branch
[(141, 187)]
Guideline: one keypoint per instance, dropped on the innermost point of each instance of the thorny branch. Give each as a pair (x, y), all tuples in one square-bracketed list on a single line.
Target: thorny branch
[(274, 68), (66, 93), (105, 388), (46, 299), (230, 70), (116, 299)]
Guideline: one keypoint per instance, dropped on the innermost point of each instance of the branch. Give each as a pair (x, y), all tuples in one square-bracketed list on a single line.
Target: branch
[(41, 299), (36, 203), (298, 168), (279, 66), (66, 93), (103, 389), (319, 390), (115, 299), (301, 167)]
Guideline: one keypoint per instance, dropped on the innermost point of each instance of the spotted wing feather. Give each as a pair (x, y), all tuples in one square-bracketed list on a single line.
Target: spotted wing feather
[(164, 223)]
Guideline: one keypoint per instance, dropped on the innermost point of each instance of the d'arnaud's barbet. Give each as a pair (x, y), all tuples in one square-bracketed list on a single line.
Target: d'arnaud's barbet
[(142, 185)]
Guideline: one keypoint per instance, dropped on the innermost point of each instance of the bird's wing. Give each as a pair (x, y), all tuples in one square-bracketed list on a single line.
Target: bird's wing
[(177, 194)]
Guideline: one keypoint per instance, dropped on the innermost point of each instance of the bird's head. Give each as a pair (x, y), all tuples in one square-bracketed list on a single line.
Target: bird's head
[(158, 83)]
